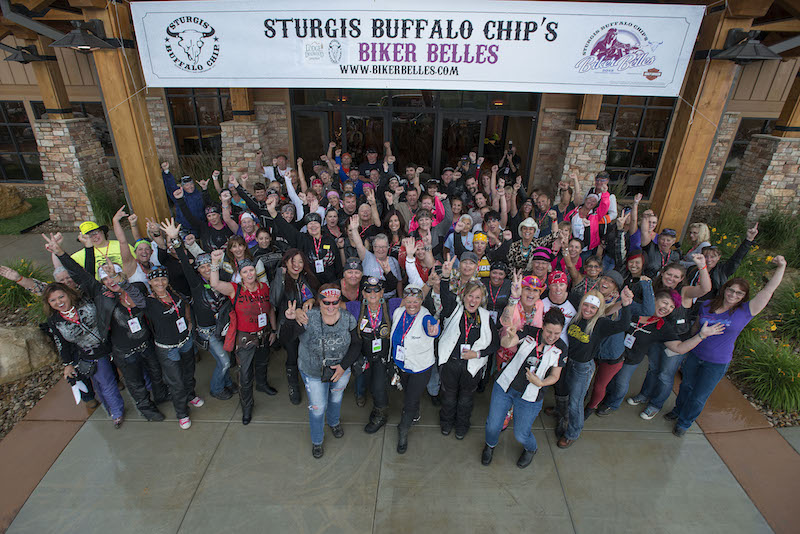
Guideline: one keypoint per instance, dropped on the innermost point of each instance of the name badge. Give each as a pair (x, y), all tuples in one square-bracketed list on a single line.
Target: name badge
[(629, 341), (376, 345), (262, 320), (319, 266), (364, 323), (400, 354), (326, 247), (134, 325), (680, 321), (181, 323), (465, 347)]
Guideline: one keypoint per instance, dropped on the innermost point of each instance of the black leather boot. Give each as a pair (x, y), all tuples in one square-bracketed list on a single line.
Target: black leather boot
[(376, 420), (293, 379)]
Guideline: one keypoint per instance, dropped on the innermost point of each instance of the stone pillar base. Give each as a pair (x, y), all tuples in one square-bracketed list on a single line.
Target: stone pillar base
[(585, 153), (71, 156), (767, 178), (240, 141)]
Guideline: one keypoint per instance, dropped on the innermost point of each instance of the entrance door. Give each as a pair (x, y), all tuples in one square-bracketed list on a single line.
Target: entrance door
[(312, 132), (461, 134)]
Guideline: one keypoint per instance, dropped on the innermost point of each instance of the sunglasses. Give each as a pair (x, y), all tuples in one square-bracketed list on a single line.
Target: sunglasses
[(411, 291), (669, 232), (330, 302), (372, 289)]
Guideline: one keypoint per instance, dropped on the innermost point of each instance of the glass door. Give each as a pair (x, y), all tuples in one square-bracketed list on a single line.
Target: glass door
[(312, 132), (461, 134)]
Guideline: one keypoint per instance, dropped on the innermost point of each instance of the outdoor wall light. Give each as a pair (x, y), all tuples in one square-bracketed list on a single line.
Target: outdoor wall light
[(26, 54), (743, 47), (86, 37)]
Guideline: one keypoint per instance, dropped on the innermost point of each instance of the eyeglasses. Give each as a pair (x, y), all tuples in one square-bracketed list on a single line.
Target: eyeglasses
[(330, 302), (372, 289), (736, 292)]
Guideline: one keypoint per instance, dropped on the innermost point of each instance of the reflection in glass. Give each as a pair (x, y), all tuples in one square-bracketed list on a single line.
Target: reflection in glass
[(364, 132), (311, 134), (460, 136), (627, 122), (32, 166), (620, 152), (413, 132)]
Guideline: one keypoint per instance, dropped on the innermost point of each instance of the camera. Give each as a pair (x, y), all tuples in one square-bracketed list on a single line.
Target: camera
[(510, 147)]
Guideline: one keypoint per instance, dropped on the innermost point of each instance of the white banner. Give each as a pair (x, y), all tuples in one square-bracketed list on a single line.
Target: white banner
[(558, 47)]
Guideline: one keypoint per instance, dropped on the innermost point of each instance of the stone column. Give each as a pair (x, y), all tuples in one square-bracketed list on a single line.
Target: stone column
[(269, 133), (554, 128), (726, 132), (276, 115), (767, 178), (585, 152), (71, 156), (162, 130)]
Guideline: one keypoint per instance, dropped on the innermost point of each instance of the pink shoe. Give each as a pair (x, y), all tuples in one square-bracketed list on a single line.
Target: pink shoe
[(507, 420), (184, 423), (197, 402)]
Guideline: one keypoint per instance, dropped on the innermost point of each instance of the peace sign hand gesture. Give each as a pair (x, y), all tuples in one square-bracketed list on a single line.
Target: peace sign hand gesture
[(447, 266), (516, 284)]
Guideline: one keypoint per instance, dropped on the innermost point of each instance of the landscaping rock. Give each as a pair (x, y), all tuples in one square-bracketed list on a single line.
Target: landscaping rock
[(11, 202), (23, 349)]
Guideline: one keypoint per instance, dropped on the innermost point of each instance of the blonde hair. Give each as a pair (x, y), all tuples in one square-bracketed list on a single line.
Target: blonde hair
[(703, 233), (471, 286), (601, 309)]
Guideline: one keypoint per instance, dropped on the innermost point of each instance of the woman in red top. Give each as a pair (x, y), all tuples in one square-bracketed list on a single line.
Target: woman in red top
[(255, 328)]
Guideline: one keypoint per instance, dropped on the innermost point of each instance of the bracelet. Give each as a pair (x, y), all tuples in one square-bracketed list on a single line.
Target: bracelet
[(215, 266), (700, 336), (703, 267), (513, 300)]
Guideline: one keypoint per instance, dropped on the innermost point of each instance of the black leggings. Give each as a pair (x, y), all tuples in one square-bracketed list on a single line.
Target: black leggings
[(413, 386), (378, 383), (292, 348)]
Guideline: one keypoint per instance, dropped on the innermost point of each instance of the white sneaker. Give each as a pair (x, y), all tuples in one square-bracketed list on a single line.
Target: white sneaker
[(648, 413), (197, 402), (636, 401), (185, 423)]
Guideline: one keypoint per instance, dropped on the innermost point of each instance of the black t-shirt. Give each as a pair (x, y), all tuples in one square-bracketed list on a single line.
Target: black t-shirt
[(643, 332), (123, 338), (533, 360), (497, 297)]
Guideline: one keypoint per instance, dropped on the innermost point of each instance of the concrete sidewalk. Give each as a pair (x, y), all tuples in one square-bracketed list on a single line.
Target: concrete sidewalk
[(623, 475), (31, 247)]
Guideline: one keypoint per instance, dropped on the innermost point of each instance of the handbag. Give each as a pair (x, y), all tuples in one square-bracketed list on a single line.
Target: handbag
[(226, 321), (86, 368)]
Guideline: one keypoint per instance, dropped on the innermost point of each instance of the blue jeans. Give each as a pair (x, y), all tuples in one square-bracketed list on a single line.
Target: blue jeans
[(434, 384), (660, 375), (618, 387), (324, 402), (608, 263), (525, 413), (219, 377), (106, 390), (361, 385), (699, 380), (579, 376)]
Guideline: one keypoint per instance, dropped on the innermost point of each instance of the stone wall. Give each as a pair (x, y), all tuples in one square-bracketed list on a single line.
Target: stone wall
[(71, 156), (554, 127), (768, 177), (726, 132), (162, 130), (268, 133), (584, 152)]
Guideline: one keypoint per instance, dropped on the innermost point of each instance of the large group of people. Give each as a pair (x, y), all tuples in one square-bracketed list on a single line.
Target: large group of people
[(384, 275)]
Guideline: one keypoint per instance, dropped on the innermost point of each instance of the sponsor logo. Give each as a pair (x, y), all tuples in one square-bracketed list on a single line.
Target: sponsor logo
[(192, 44), (651, 74), (616, 47), (335, 51), (313, 51)]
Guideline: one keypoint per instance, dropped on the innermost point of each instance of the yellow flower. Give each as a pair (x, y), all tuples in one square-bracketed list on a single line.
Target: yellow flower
[(713, 229), (797, 295), (773, 328), (768, 259), (724, 237)]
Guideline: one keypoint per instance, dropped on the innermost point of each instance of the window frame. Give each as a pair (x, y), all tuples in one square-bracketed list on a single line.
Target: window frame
[(6, 123), (192, 95)]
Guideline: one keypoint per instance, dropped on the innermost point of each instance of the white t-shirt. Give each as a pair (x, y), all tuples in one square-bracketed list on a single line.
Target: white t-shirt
[(373, 268), (269, 173), (569, 312)]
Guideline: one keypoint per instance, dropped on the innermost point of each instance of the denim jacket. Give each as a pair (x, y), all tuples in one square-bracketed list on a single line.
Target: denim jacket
[(612, 347)]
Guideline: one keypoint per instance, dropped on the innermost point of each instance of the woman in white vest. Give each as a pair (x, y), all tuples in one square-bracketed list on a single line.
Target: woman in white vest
[(413, 332), (465, 345), (537, 363)]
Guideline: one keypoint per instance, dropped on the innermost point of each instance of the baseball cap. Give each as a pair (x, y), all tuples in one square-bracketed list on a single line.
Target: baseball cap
[(88, 226), (102, 271), (186, 180), (616, 277), (468, 255)]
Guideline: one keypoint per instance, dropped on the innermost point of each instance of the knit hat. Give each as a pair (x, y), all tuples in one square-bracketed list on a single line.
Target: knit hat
[(616, 277), (542, 254)]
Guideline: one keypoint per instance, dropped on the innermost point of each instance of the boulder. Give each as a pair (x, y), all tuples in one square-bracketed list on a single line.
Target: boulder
[(23, 349), (11, 202)]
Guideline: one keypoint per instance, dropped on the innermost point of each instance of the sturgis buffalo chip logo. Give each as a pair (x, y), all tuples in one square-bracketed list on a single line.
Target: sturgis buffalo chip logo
[(192, 44)]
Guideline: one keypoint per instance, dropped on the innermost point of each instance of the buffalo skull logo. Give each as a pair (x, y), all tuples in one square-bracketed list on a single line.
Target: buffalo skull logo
[(191, 42)]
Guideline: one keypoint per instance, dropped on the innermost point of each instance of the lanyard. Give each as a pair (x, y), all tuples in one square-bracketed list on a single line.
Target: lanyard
[(76, 320), (257, 296), (172, 304), (643, 326), (105, 255), (663, 259), (375, 320), (494, 297), (593, 285), (467, 328), (541, 220), (405, 330), (361, 232), (317, 245)]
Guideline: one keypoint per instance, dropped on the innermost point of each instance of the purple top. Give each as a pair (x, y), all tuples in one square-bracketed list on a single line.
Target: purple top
[(719, 349), (354, 307)]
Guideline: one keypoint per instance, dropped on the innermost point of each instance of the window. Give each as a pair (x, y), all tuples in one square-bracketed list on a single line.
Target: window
[(638, 127), (19, 154), (747, 128), (196, 114), (91, 110)]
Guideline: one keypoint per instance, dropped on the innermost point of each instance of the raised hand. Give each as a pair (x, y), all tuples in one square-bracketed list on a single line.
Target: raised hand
[(243, 178), (291, 310), (699, 260), (552, 214), (516, 283), (780, 261), (299, 162), (332, 144), (119, 215), (215, 174), (133, 219), (165, 166), (495, 168), (391, 159), (217, 256), (170, 229), (225, 196), (85, 240), (433, 329), (233, 181), (419, 170), (752, 232), (53, 243), (178, 193), (518, 184), (626, 296), (10, 274), (447, 266), (507, 235), (203, 184), (623, 220), (387, 144), (410, 244), (338, 152), (389, 197), (638, 198), (354, 222), (189, 240), (370, 194)]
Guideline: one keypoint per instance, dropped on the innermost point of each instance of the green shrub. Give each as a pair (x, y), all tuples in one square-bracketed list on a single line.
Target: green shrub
[(791, 251), (200, 166), (772, 373), (776, 229), (105, 203), (13, 296), (785, 307), (729, 221)]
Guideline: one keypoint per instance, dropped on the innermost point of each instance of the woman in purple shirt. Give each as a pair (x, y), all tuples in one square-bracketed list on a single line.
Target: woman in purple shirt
[(706, 364)]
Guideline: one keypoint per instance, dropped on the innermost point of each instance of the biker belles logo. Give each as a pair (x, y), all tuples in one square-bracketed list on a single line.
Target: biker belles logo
[(192, 44), (616, 47)]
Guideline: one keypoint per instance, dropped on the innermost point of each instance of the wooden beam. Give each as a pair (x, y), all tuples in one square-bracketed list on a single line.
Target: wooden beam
[(788, 124), (788, 25), (707, 86), (18, 31), (242, 105), (790, 6), (589, 112), (89, 4), (60, 14), (121, 83), (747, 9), (32, 5), (51, 84)]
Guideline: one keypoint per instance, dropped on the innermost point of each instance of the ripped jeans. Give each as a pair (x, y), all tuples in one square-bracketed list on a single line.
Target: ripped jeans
[(324, 402)]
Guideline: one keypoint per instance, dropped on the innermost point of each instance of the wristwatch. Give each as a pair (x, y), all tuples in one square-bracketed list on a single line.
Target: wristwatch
[(176, 242)]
